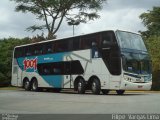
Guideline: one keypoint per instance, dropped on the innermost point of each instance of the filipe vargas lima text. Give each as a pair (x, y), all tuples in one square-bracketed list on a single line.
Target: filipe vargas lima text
[(135, 116)]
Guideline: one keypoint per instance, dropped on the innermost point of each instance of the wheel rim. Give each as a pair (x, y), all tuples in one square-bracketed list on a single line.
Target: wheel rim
[(94, 86), (26, 84), (34, 86), (79, 86)]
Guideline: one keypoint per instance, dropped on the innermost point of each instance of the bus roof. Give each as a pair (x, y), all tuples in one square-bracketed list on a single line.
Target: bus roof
[(68, 38)]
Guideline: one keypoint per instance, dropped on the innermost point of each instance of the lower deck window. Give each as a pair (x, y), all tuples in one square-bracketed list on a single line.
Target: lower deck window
[(60, 68)]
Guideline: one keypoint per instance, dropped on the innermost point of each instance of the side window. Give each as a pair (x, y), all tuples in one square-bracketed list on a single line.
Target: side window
[(76, 43), (85, 43), (115, 63), (44, 69), (76, 67), (28, 50), (111, 55), (37, 49), (69, 44), (56, 46), (18, 52), (67, 68), (107, 38), (48, 48), (61, 46), (88, 41), (58, 68)]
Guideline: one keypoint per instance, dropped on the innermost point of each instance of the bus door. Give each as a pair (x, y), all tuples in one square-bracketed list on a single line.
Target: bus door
[(111, 57), (16, 74), (68, 83), (115, 70)]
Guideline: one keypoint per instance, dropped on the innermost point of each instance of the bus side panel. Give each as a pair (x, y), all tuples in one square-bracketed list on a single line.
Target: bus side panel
[(84, 57), (16, 74), (92, 67), (29, 68)]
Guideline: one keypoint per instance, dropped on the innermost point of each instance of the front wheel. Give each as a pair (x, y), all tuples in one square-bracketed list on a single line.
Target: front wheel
[(96, 88), (120, 92)]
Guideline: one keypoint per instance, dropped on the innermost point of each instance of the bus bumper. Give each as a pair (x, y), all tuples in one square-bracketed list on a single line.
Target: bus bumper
[(125, 85)]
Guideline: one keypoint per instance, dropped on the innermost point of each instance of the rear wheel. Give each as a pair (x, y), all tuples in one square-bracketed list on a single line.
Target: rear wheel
[(81, 86), (34, 85), (105, 91), (120, 92), (96, 86), (26, 85)]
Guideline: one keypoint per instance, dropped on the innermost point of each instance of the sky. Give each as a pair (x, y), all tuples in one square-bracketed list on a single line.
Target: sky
[(115, 14)]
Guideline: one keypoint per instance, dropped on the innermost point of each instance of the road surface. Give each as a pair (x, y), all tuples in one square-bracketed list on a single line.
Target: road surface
[(24, 102)]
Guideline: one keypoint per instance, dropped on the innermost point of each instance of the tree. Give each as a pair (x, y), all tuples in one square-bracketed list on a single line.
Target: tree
[(151, 20), (53, 12), (153, 43)]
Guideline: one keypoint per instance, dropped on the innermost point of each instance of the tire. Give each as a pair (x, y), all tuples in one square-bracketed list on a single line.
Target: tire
[(120, 92), (26, 85), (105, 91), (81, 86), (34, 85), (96, 89)]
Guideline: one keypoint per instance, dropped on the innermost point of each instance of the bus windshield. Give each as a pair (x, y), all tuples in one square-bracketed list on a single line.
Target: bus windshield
[(136, 63), (134, 53), (129, 40)]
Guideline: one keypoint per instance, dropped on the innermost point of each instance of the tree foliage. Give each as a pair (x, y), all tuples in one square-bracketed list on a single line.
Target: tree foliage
[(153, 43), (53, 12), (151, 20)]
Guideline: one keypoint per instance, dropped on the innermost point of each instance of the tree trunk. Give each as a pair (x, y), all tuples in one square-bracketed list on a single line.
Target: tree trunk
[(51, 36)]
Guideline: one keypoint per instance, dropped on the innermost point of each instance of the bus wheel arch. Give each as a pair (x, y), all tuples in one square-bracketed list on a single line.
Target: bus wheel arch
[(34, 84), (95, 85), (26, 84), (80, 85)]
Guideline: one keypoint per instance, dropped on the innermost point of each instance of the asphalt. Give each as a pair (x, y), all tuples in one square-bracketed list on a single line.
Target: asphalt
[(69, 102)]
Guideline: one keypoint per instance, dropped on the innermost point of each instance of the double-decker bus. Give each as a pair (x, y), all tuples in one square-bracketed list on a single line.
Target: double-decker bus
[(101, 61)]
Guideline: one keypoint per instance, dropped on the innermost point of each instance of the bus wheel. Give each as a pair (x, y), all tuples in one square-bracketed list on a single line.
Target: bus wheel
[(105, 91), (81, 86), (96, 86), (120, 92), (34, 85), (26, 85)]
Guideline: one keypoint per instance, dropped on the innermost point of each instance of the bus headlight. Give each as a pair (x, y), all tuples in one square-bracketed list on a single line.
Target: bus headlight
[(128, 79)]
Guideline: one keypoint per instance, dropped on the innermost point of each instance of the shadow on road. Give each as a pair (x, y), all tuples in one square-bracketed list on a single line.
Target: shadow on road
[(112, 93)]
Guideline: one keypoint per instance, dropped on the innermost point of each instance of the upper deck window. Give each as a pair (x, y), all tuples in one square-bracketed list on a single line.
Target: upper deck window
[(130, 41)]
